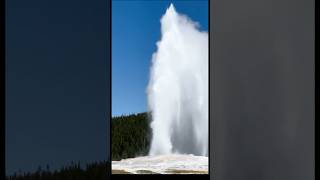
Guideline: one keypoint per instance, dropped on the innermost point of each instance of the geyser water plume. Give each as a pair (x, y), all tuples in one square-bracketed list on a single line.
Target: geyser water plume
[(178, 88)]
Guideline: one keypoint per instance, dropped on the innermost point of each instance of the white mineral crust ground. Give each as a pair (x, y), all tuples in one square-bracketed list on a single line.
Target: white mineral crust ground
[(163, 164)]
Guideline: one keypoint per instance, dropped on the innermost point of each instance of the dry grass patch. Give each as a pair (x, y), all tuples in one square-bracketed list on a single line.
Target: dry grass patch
[(178, 171), (116, 171)]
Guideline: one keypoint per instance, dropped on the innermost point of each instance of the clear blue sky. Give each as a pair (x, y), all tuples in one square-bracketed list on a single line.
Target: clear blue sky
[(135, 31)]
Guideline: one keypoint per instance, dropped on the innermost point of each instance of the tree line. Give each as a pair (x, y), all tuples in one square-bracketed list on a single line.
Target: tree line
[(93, 171), (130, 136)]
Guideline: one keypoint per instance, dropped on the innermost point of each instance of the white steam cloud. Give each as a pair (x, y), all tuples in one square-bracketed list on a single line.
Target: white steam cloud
[(178, 88)]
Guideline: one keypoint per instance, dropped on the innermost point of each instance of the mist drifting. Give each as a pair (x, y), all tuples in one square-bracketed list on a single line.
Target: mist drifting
[(178, 88)]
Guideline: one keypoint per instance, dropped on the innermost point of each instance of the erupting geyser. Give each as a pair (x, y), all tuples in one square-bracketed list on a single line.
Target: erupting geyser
[(178, 88)]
